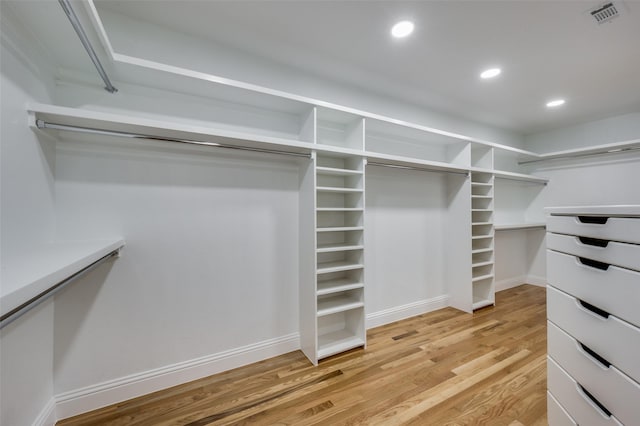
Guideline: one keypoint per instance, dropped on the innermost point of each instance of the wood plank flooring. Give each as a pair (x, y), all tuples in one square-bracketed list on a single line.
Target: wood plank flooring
[(441, 368)]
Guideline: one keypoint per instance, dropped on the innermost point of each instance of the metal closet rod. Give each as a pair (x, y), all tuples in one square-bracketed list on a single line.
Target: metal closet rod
[(577, 155), (41, 124), (77, 26), (16, 313), (422, 169)]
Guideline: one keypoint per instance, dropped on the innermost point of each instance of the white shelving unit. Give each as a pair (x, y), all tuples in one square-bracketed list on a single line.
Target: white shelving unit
[(339, 282)]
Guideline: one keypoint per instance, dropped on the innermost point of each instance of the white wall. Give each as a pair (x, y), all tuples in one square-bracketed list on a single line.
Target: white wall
[(211, 261), (404, 223), (27, 196), (613, 129)]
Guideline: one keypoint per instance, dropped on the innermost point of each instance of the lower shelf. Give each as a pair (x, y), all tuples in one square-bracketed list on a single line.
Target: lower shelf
[(480, 303), (336, 342), (338, 303)]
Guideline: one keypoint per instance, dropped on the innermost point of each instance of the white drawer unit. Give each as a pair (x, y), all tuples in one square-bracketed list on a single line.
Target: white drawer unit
[(609, 287), (556, 415), (622, 229), (581, 406), (614, 389), (593, 329), (614, 339), (610, 252)]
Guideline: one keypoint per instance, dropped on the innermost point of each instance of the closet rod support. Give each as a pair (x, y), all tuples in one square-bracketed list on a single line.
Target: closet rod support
[(41, 124), (77, 26), (16, 313), (422, 169)]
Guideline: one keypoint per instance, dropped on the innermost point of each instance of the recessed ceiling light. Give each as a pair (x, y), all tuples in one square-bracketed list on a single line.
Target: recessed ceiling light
[(490, 73), (555, 103), (402, 29)]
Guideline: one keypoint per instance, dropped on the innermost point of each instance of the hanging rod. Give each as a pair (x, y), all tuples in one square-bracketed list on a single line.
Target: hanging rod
[(17, 312), (41, 124), (422, 169), (77, 26), (579, 155)]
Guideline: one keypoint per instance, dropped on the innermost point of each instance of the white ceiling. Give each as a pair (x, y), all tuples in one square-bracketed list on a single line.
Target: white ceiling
[(546, 49)]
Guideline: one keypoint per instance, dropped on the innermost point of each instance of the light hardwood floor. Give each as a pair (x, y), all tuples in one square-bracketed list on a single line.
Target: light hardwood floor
[(441, 368)]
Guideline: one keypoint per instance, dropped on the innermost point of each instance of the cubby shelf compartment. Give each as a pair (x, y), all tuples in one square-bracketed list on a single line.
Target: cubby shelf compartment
[(338, 303), (479, 302), (337, 285), (482, 278), (339, 209), (476, 265), (337, 266), (336, 189), (482, 237), (327, 248), (482, 250), (333, 171), (337, 341), (340, 229)]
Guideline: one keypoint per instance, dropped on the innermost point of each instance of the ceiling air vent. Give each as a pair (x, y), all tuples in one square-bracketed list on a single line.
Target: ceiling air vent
[(605, 12)]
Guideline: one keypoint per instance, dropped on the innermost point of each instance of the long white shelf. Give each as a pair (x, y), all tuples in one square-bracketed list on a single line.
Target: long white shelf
[(339, 209), (516, 226), (161, 129), (482, 277), (27, 275)]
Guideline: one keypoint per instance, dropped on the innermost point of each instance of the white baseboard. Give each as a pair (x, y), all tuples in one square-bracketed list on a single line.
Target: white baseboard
[(398, 313), (101, 395), (523, 279), (536, 280), (47, 416)]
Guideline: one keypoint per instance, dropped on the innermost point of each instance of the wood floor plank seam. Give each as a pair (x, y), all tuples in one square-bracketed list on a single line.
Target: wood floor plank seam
[(445, 367)]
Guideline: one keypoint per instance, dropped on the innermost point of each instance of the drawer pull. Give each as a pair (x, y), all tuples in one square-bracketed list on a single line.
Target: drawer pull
[(593, 241), (600, 220), (595, 356), (585, 394), (589, 307), (594, 263)]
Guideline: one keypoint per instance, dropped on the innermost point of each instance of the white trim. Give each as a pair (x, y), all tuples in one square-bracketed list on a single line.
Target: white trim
[(536, 280), (107, 393), (47, 416), (398, 313), (519, 280)]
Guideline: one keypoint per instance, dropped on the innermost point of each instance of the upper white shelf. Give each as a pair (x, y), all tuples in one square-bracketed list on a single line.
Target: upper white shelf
[(27, 275), (162, 129), (621, 210), (515, 226)]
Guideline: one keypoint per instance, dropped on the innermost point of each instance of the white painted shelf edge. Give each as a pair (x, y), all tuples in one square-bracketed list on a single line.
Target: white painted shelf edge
[(127, 123), (25, 276), (480, 303), (515, 226), (621, 210)]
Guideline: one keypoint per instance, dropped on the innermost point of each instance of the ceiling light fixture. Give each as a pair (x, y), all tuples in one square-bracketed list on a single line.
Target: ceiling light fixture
[(402, 29), (555, 103), (490, 73)]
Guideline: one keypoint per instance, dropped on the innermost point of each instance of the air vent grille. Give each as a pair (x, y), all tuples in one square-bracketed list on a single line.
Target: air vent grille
[(605, 13)]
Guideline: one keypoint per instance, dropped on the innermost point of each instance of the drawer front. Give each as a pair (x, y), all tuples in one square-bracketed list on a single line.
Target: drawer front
[(615, 290), (556, 415), (613, 339), (622, 229), (608, 385), (613, 253), (577, 403)]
